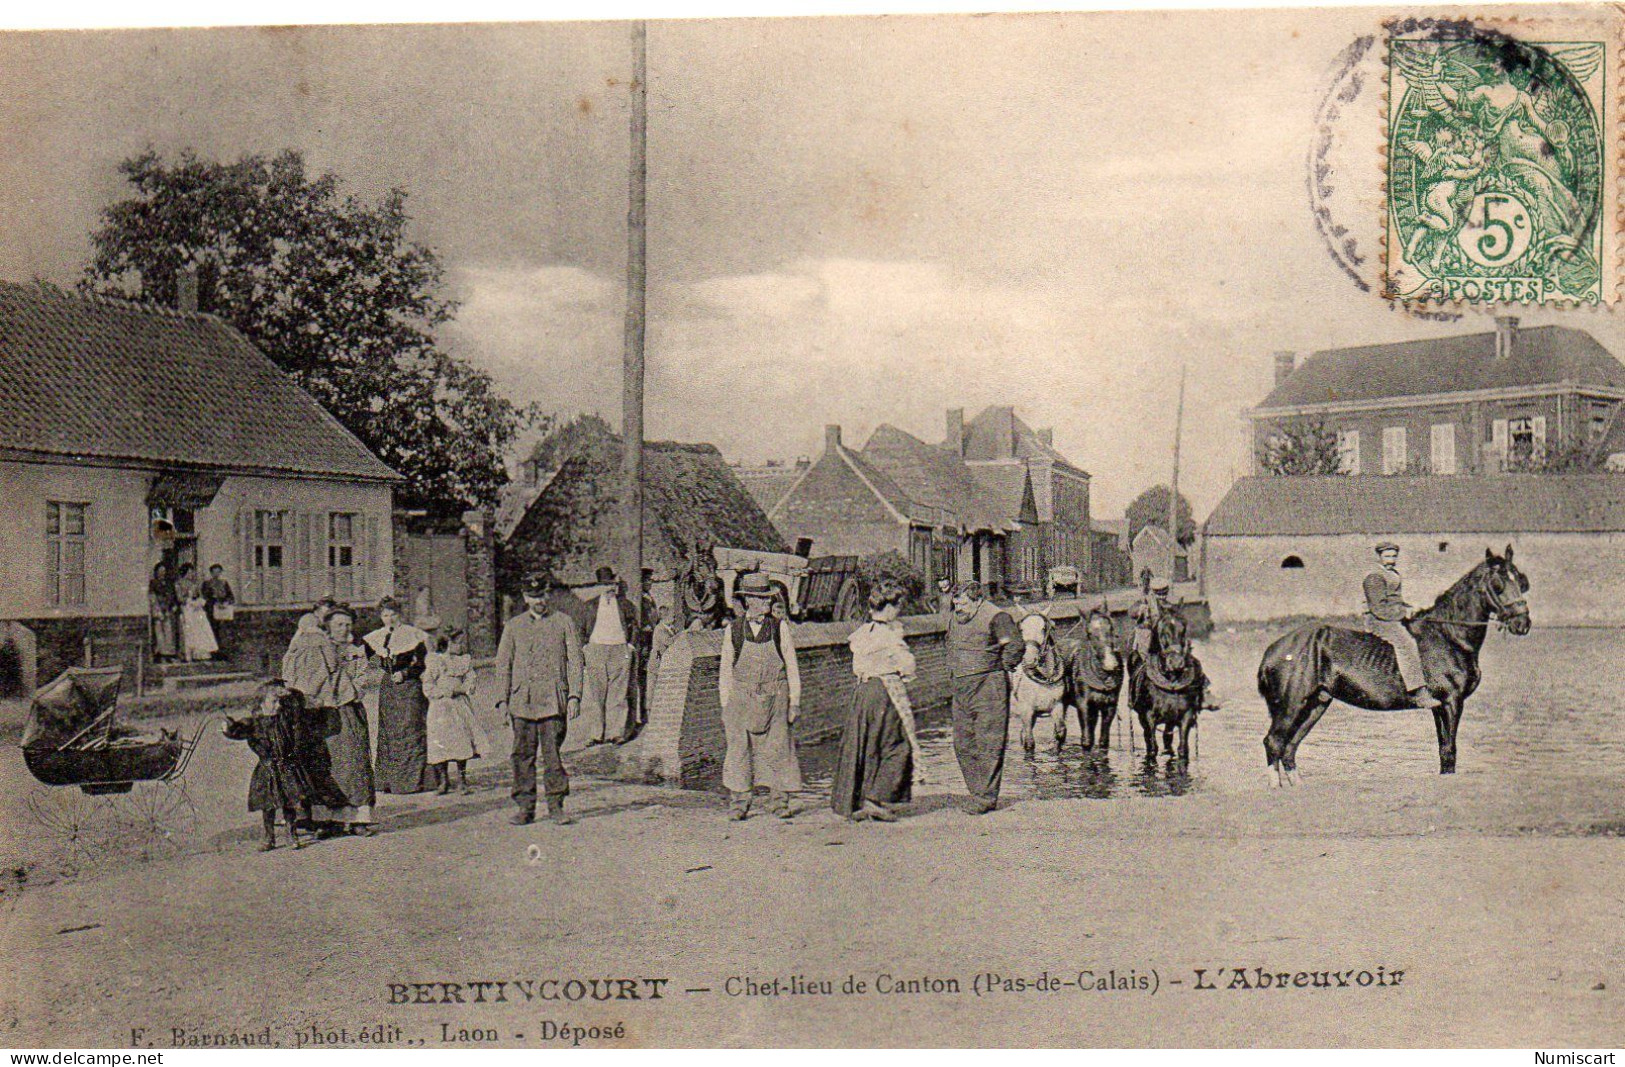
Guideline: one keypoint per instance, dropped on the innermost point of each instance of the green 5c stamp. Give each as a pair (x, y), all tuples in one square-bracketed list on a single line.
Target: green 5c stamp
[(1502, 164)]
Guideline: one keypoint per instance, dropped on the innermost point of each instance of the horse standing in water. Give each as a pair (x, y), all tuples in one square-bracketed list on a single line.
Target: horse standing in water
[(1172, 689), (1095, 679), (1303, 672)]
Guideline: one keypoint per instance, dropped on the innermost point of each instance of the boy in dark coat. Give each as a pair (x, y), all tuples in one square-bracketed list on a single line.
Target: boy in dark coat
[(281, 781)]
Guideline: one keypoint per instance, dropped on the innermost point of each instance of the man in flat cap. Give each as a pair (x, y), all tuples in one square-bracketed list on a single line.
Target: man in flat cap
[(538, 672), (607, 659), (1385, 615)]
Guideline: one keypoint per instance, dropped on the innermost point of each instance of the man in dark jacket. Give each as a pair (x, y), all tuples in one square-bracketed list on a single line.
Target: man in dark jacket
[(984, 644), (538, 675)]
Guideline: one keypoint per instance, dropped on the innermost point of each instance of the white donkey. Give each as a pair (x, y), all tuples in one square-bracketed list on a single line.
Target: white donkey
[(1038, 686)]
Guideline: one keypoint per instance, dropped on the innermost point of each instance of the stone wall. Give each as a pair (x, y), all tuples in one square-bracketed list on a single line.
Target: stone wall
[(683, 739)]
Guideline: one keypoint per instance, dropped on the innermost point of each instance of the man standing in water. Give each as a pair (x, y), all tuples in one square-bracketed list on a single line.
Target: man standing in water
[(984, 644)]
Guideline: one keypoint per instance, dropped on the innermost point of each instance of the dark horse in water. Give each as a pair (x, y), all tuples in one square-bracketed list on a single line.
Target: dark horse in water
[(1170, 689), (1303, 672)]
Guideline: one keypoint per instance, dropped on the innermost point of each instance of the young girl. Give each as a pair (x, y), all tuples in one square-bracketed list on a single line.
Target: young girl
[(280, 782), (454, 736)]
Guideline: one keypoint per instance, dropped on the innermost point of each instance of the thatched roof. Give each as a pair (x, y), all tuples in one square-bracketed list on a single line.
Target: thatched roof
[(692, 503)]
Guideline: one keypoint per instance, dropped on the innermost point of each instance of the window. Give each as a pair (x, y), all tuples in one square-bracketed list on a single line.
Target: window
[(1348, 451), (1393, 450), (1444, 448), (1600, 414), (1292, 563), (1526, 440), (267, 566), (66, 531), (341, 554)]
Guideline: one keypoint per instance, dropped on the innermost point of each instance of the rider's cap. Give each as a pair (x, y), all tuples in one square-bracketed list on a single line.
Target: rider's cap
[(1159, 585), (1386, 546)]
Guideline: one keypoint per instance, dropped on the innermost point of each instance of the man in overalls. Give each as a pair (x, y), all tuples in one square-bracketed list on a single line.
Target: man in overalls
[(1385, 615), (760, 687), (984, 644)]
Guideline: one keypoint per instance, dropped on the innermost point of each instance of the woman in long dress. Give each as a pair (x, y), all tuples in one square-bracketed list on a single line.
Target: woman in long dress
[(399, 650), (328, 668), (163, 607), (197, 636), (879, 745)]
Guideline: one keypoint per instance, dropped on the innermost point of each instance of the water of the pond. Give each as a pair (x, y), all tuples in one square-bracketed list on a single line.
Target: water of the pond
[(1548, 706)]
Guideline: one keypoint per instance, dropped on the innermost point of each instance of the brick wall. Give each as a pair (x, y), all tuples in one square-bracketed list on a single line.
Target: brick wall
[(480, 572), (683, 740)]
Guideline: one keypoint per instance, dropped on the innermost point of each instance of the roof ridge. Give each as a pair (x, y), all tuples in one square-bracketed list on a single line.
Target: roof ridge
[(45, 287)]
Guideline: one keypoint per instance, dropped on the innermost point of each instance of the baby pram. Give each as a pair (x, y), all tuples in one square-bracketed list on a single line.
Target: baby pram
[(72, 737)]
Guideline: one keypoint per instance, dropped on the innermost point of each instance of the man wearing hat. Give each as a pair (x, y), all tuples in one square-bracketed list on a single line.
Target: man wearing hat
[(607, 663), (538, 671), (1146, 614), (760, 687), (1385, 615), (984, 644)]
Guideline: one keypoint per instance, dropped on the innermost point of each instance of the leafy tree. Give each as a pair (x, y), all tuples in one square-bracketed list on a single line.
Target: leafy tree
[(1300, 449), (331, 289), (890, 564), (1150, 508)]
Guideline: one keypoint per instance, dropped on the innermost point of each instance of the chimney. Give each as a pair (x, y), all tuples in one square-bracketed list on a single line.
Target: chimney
[(1506, 332), (1047, 435), (186, 290), (832, 437), (1284, 364), (956, 431)]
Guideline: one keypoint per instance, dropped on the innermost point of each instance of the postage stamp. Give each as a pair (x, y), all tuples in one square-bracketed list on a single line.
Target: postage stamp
[(1502, 145)]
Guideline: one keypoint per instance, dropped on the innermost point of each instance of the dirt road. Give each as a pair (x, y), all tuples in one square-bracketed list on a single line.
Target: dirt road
[(1503, 937)]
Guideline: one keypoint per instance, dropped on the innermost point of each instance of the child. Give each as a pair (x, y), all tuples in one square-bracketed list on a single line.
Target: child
[(454, 736), (280, 781)]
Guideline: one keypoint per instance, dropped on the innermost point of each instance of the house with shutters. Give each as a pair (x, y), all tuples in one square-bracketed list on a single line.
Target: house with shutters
[(132, 435), (1507, 400)]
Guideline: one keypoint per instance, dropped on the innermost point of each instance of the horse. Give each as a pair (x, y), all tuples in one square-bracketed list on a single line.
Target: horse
[(1304, 671), (1172, 688), (1039, 685), (1094, 680)]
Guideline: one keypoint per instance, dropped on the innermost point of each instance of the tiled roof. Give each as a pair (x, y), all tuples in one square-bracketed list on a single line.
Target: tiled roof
[(999, 433), (768, 485), (95, 378), (1542, 355), (1373, 504), (1008, 490), (931, 476)]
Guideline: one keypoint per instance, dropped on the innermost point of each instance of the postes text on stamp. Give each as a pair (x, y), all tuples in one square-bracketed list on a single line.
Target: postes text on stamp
[(1501, 167)]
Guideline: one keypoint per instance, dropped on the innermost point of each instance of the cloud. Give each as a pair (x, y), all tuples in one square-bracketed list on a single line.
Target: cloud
[(757, 364), (550, 334)]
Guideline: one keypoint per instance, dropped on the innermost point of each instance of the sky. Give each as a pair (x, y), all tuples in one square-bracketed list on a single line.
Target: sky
[(852, 221)]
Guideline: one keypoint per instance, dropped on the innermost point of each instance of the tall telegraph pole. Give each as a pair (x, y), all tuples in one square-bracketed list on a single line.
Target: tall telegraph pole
[(636, 282), (1173, 486)]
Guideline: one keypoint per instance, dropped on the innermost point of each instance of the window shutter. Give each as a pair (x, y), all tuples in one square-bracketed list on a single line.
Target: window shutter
[(309, 587), (1539, 424), (370, 585), (1498, 444), (246, 590)]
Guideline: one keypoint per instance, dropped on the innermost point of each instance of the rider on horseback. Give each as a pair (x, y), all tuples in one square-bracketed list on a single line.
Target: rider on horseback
[(1385, 615)]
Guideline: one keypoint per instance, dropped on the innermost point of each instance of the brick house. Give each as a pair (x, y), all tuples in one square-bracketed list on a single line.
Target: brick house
[(993, 502), (1279, 548), (1481, 403), (998, 436), (132, 434)]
